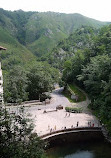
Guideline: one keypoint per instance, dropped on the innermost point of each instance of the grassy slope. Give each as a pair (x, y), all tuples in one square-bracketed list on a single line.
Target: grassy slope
[(44, 30), (78, 92), (15, 53), (40, 32), (73, 89)]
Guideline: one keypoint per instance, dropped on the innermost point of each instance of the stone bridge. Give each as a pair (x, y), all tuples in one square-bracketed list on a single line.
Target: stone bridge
[(73, 134)]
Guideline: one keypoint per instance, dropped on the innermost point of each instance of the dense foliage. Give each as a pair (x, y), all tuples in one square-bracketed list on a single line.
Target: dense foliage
[(84, 58), (16, 137), (15, 84), (73, 110), (82, 38), (91, 69), (41, 79), (21, 85), (40, 32)]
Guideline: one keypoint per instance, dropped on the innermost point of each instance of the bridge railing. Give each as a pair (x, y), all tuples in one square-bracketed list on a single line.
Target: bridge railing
[(70, 129)]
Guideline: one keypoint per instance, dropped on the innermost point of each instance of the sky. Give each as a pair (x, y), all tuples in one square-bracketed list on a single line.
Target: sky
[(96, 9)]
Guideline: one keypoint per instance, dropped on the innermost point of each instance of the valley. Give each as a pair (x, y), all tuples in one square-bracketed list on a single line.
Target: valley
[(45, 49)]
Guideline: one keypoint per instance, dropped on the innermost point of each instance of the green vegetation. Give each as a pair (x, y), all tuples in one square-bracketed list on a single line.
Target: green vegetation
[(41, 79), (84, 58), (21, 85), (68, 96), (40, 32), (90, 68), (27, 35), (73, 110), (15, 85), (16, 54), (78, 92), (16, 137), (82, 38), (72, 89)]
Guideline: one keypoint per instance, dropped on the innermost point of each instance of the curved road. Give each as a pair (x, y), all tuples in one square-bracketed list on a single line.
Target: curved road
[(57, 99)]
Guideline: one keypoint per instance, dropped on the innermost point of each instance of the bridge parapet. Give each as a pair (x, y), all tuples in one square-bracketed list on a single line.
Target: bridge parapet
[(80, 134), (69, 130)]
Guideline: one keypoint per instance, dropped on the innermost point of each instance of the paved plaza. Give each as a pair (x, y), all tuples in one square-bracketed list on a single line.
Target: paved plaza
[(57, 120)]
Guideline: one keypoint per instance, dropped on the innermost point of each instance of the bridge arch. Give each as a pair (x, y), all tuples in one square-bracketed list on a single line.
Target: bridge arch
[(73, 135)]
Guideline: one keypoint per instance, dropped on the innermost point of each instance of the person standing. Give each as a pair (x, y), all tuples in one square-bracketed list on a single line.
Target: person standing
[(66, 114), (77, 124)]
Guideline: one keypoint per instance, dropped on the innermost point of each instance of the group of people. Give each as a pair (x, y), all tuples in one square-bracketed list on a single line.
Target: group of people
[(54, 129), (67, 115), (90, 125), (51, 130), (77, 124)]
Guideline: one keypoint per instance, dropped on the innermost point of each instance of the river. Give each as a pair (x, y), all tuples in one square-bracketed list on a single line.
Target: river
[(81, 150)]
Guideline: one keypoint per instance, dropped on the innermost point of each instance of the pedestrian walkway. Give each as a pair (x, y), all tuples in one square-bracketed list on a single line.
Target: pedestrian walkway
[(57, 120), (48, 122)]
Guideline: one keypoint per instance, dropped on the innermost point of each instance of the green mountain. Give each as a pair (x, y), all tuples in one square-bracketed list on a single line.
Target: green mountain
[(16, 53), (40, 32), (81, 39), (44, 30)]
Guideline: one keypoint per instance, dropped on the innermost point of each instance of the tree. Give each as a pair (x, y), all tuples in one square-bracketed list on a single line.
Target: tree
[(16, 137), (15, 86), (40, 79), (67, 72), (73, 67), (92, 68), (95, 73)]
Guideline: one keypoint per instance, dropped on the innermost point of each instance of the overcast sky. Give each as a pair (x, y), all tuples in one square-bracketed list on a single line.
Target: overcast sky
[(97, 9)]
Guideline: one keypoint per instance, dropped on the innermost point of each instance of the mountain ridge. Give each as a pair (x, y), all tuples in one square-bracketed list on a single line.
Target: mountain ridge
[(38, 32)]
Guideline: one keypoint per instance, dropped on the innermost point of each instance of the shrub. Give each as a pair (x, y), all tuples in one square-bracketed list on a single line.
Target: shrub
[(73, 109)]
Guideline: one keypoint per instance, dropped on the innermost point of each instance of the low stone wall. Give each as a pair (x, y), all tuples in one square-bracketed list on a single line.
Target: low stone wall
[(31, 101)]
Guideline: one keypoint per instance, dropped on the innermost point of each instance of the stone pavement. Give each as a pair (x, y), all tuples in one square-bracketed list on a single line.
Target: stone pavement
[(56, 120)]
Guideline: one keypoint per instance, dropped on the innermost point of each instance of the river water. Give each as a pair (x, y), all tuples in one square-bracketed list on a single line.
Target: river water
[(81, 150)]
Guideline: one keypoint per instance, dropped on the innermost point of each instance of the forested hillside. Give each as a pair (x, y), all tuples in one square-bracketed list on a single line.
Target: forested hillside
[(90, 68), (82, 54), (40, 32), (82, 38), (44, 49), (16, 53)]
